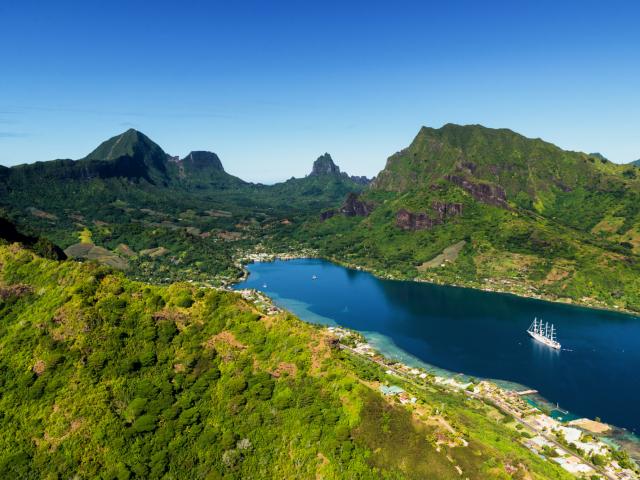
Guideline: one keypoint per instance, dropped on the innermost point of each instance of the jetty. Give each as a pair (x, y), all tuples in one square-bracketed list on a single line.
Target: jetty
[(527, 392)]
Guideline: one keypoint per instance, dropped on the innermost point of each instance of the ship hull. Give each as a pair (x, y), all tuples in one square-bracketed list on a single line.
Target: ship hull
[(544, 340)]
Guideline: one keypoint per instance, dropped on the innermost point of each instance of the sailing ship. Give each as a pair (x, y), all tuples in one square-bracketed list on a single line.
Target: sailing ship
[(543, 333)]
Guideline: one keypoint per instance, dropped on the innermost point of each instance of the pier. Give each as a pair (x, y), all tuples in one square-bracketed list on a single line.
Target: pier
[(527, 392)]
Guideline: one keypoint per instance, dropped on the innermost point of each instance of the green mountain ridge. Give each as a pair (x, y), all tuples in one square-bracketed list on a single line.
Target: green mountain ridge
[(186, 216), (534, 219), (104, 376)]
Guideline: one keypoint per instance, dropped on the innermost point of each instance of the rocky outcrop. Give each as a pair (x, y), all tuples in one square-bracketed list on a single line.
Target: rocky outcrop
[(439, 213), (326, 215), (360, 180), (324, 166), (352, 207), (483, 192)]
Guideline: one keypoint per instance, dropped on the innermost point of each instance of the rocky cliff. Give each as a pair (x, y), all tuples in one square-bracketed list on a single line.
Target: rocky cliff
[(352, 207), (437, 215)]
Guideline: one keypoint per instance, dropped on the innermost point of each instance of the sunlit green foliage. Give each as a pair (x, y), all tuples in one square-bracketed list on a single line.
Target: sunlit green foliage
[(103, 377)]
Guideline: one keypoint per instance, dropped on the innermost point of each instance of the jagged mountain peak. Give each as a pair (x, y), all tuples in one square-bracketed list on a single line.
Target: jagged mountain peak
[(324, 165)]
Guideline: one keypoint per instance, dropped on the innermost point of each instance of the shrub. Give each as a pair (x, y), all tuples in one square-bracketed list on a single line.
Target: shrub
[(145, 423)]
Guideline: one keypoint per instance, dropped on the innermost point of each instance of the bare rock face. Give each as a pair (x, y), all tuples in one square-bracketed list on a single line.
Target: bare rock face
[(352, 207), (324, 166), (483, 192), (440, 212)]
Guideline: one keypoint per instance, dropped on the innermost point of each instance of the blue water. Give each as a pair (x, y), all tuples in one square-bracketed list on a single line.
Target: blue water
[(478, 333)]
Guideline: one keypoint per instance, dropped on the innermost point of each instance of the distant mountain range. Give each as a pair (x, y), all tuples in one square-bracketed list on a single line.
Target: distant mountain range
[(129, 196), (134, 156), (462, 204)]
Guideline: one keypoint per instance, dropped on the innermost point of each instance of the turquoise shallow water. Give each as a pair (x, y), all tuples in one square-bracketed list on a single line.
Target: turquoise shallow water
[(596, 374)]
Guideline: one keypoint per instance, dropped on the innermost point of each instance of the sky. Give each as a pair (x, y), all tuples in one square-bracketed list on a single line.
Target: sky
[(271, 85)]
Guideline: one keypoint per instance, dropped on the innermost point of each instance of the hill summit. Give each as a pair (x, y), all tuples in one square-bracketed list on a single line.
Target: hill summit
[(198, 160), (324, 165)]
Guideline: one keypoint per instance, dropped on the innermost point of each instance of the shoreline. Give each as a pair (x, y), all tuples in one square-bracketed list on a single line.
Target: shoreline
[(493, 289), (617, 434), (271, 257)]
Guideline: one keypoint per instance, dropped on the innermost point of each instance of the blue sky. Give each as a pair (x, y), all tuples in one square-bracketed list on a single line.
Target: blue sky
[(269, 86)]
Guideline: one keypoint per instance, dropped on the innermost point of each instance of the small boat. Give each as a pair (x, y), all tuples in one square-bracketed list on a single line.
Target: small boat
[(543, 334), (314, 277), (264, 285)]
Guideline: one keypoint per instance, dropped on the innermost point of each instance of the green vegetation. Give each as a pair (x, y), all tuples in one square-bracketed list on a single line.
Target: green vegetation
[(105, 377), (499, 211), (131, 200), (534, 219)]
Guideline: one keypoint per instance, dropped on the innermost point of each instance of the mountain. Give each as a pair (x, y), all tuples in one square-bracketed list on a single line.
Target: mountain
[(493, 209), (203, 170), (324, 166), (130, 205), (636, 163), (131, 155), (325, 186), (598, 155), (202, 160), (104, 377), (132, 149)]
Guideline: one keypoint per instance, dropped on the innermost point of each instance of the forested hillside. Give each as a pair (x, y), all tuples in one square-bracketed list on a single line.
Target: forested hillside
[(493, 209), (130, 205), (103, 377)]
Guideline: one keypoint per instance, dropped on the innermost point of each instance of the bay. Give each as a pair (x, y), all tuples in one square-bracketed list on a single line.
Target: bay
[(482, 334)]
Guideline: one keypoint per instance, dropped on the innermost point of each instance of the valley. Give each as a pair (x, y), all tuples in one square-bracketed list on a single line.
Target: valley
[(153, 242)]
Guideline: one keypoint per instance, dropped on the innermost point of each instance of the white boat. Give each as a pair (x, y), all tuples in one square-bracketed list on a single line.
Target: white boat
[(314, 277), (543, 333)]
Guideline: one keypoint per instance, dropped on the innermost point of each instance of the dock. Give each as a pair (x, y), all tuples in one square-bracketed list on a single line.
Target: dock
[(526, 392)]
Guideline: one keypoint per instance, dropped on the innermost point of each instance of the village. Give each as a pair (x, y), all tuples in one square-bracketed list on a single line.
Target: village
[(575, 446)]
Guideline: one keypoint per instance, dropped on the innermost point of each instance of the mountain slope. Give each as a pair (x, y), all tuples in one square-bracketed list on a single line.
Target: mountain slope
[(576, 188), (43, 247), (130, 205), (203, 170), (493, 209), (134, 147), (103, 377)]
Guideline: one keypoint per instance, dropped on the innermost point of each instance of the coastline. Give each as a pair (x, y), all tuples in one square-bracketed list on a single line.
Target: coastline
[(312, 254), (574, 447), (617, 435)]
